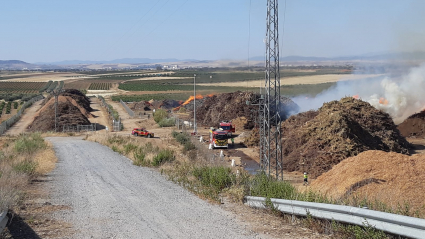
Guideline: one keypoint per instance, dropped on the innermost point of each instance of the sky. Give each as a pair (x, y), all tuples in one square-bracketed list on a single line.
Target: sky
[(57, 30)]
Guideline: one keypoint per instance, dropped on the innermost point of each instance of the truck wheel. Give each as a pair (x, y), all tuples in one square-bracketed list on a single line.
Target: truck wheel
[(149, 136), (136, 134)]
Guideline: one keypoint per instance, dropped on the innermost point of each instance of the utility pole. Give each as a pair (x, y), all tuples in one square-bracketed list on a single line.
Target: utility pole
[(194, 103), (270, 105), (56, 94)]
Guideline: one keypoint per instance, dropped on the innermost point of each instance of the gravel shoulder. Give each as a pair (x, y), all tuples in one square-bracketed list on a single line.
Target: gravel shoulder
[(111, 198)]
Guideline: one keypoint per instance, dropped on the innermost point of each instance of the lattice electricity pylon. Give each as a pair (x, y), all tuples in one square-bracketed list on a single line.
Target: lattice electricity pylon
[(270, 107)]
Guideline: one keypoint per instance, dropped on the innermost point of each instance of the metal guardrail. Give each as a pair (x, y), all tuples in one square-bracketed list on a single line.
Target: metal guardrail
[(392, 223), (8, 123), (129, 111), (3, 220)]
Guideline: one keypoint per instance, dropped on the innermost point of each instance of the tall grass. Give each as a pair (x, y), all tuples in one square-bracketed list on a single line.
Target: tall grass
[(29, 143), (18, 164)]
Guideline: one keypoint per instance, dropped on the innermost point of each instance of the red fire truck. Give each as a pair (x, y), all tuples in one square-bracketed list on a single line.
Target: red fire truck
[(218, 139), (227, 127)]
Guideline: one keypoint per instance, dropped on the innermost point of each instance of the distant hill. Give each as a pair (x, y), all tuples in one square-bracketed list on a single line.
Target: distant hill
[(117, 61), (369, 57), (12, 62)]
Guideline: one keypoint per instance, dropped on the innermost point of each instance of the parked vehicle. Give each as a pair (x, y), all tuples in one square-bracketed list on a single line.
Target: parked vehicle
[(218, 139), (228, 127), (142, 132)]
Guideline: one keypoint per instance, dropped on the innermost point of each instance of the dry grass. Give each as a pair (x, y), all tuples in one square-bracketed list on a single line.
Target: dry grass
[(46, 160), (22, 158)]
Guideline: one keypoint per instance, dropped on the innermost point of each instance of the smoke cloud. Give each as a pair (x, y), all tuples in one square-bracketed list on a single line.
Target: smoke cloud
[(399, 96)]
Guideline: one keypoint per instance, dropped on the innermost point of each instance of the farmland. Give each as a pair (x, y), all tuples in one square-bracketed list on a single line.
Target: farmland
[(79, 85), (21, 87), (100, 86)]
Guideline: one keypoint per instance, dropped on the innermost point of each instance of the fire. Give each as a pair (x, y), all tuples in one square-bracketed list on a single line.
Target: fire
[(383, 101), (191, 98), (356, 97)]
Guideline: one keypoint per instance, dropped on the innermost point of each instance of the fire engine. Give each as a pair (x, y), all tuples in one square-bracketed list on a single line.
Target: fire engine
[(218, 139), (227, 127)]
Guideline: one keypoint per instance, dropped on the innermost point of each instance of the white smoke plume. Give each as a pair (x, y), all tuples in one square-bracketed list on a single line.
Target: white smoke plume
[(399, 96)]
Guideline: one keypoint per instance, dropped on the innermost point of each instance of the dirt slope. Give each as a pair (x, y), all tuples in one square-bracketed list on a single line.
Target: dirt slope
[(390, 177)]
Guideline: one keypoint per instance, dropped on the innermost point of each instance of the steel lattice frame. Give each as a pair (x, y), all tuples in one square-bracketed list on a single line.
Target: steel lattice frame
[(270, 105)]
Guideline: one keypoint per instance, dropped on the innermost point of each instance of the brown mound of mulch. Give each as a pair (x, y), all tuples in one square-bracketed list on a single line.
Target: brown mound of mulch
[(81, 99), (314, 141), (413, 126), (142, 105), (230, 106), (389, 177), (169, 104), (73, 109)]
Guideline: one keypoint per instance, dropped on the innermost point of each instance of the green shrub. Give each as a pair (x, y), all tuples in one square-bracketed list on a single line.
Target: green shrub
[(140, 157), (116, 139), (163, 156), (129, 148), (188, 146), (29, 143), (167, 122), (116, 149), (159, 115), (27, 166), (217, 177), (264, 186)]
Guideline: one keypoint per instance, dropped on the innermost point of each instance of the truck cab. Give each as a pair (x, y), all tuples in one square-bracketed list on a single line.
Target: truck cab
[(228, 127), (218, 139)]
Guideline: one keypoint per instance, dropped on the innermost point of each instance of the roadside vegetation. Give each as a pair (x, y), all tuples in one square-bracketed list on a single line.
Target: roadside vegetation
[(22, 159), (163, 119), (214, 179)]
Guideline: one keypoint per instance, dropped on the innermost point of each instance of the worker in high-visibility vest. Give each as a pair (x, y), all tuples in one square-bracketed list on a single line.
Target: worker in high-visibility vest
[(305, 178)]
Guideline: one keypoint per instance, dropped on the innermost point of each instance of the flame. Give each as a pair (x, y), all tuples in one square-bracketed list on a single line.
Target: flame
[(191, 98), (356, 97), (383, 101)]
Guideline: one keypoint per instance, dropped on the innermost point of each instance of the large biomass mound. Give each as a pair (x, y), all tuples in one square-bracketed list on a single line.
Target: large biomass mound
[(230, 106), (73, 109), (389, 177), (413, 126), (314, 141)]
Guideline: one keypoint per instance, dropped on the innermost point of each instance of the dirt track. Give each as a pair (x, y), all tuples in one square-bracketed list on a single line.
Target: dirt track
[(111, 198), (26, 119)]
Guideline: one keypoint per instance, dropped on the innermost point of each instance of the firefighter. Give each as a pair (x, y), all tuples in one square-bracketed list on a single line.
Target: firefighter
[(305, 178), (233, 141)]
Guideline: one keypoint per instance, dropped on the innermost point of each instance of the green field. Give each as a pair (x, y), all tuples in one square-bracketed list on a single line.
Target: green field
[(288, 91)]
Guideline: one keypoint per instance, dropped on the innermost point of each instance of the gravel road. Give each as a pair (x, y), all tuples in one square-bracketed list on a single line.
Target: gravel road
[(109, 197)]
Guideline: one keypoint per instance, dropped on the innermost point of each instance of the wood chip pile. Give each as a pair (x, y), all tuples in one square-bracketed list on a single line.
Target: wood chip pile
[(392, 178), (73, 108), (230, 106), (315, 141), (414, 126)]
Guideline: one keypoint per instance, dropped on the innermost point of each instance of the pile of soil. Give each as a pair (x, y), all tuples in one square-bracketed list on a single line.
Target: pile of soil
[(314, 141), (73, 109), (199, 103), (389, 177), (414, 126), (169, 104), (139, 106), (230, 106)]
